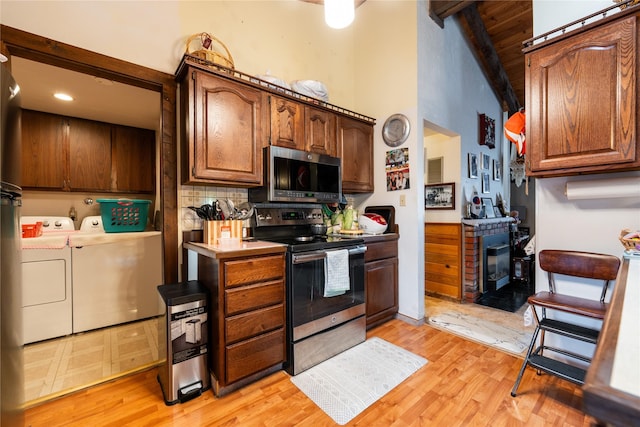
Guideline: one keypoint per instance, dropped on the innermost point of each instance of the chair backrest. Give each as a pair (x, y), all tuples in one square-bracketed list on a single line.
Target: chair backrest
[(588, 265)]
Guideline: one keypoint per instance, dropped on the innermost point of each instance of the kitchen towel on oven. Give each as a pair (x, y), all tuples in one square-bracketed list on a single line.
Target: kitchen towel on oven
[(336, 273)]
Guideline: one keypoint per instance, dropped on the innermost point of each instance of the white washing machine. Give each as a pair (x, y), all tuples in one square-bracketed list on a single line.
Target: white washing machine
[(46, 280), (115, 276)]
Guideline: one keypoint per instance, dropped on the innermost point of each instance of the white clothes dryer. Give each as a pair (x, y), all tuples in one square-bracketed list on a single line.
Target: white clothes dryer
[(46, 280)]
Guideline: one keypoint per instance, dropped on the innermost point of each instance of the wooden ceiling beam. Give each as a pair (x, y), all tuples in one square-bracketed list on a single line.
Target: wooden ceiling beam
[(441, 9), (489, 59)]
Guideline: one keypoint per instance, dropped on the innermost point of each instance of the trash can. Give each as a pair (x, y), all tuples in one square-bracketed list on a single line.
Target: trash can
[(184, 374)]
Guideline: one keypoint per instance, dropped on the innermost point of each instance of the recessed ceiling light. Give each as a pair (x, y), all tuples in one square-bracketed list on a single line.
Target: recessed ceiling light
[(63, 96)]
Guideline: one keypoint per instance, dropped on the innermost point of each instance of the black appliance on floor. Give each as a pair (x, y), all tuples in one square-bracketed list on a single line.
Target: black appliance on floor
[(321, 321)]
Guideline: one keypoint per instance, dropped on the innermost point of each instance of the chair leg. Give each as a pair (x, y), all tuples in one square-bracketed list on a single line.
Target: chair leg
[(526, 360), (538, 371)]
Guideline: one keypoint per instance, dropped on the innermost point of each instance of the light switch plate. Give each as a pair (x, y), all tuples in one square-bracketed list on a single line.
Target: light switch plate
[(403, 200)]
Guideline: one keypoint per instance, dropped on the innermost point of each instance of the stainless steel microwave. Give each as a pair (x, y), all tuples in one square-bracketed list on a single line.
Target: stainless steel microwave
[(298, 176)]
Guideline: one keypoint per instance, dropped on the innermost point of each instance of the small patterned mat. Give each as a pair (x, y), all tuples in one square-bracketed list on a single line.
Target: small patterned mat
[(348, 383)]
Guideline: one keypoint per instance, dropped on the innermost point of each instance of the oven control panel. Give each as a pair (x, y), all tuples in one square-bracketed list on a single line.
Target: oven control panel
[(293, 215)]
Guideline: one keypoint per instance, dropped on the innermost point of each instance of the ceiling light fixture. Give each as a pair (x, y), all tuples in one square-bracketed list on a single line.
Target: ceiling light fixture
[(339, 13), (63, 96)]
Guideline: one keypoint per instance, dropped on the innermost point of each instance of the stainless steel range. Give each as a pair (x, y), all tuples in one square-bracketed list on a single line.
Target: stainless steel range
[(325, 283)]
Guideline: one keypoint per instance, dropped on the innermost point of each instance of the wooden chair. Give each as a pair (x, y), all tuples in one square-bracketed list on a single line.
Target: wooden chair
[(587, 265)]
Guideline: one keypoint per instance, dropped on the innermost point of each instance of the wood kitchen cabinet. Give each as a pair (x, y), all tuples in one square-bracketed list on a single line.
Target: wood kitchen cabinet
[(71, 154), (45, 151), (581, 101), (320, 131), (134, 159), (381, 278), (227, 117), (442, 259), (223, 128), (247, 316), (287, 123), (355, 148), (302, 127)]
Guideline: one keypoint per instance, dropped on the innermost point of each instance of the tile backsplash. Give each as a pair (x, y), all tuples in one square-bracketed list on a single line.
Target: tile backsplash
[(191, 195)]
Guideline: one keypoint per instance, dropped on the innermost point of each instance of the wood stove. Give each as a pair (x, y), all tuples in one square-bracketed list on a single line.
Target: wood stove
[(496, 257)]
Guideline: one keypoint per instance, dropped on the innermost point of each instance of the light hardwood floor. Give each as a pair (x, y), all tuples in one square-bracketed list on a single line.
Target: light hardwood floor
[(464, 384)]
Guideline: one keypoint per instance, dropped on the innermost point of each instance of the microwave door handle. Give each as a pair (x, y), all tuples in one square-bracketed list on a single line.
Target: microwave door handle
[(308, 257)]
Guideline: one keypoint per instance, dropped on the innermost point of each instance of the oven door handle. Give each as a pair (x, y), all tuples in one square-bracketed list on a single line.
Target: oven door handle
[(318, 255)]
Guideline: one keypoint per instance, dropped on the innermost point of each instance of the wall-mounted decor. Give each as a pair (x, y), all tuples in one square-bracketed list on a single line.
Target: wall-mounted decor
[(487, 205), (440, 196), (486, 162), (485, 182), (473, 165), (396, 130), (397, 169), (487, 131), (497, 170)]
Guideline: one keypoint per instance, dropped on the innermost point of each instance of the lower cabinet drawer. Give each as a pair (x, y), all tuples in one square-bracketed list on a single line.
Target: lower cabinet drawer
[(254, 323), (251, 297), (248, 357)]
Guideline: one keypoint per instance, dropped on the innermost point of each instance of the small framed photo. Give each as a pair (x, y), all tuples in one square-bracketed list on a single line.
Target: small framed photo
[(487, 130), (497, 211), (485, 183), (486, 162), (440, 196), (473, 165), (497, 171), (487, 205)]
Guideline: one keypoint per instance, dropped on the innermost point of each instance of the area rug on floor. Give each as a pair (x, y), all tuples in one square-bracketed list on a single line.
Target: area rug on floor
[(348, 383), (510, 339)]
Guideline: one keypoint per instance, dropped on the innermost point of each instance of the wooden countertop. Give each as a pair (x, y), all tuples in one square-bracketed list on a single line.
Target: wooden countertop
[(612, 385), (371, 238), (245, 248)]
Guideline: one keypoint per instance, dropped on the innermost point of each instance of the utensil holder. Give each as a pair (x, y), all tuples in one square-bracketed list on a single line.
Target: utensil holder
[(213, 231)]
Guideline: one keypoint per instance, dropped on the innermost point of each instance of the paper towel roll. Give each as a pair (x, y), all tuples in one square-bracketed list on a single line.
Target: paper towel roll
[(603, 188)]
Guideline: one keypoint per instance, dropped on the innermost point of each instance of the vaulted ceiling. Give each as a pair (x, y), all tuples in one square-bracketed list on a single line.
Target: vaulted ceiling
[(495, 29)]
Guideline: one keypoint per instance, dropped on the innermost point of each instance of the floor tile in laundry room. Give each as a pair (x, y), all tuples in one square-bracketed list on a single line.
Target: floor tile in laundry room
[(133, 345), (65, 364)]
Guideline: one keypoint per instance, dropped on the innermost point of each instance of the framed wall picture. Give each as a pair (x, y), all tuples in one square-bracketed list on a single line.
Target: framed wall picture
[(485, 182), (473, 165), (497, 171), (487, 131), (440, 196), (486, 162), (487, 206)]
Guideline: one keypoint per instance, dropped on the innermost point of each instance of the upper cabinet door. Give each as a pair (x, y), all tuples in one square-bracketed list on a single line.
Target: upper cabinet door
[(90, 155), (228, 118), (44, 151), (134, 159), (320, 131), (355, 147), (581, 102), (287, 123)]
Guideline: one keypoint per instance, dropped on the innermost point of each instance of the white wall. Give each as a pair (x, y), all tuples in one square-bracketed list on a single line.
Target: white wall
[(386, 83), (447, 147), (588, 225), (286, 37)]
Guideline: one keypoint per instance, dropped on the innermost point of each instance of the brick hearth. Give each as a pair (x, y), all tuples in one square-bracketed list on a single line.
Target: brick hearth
[(472, 251)]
